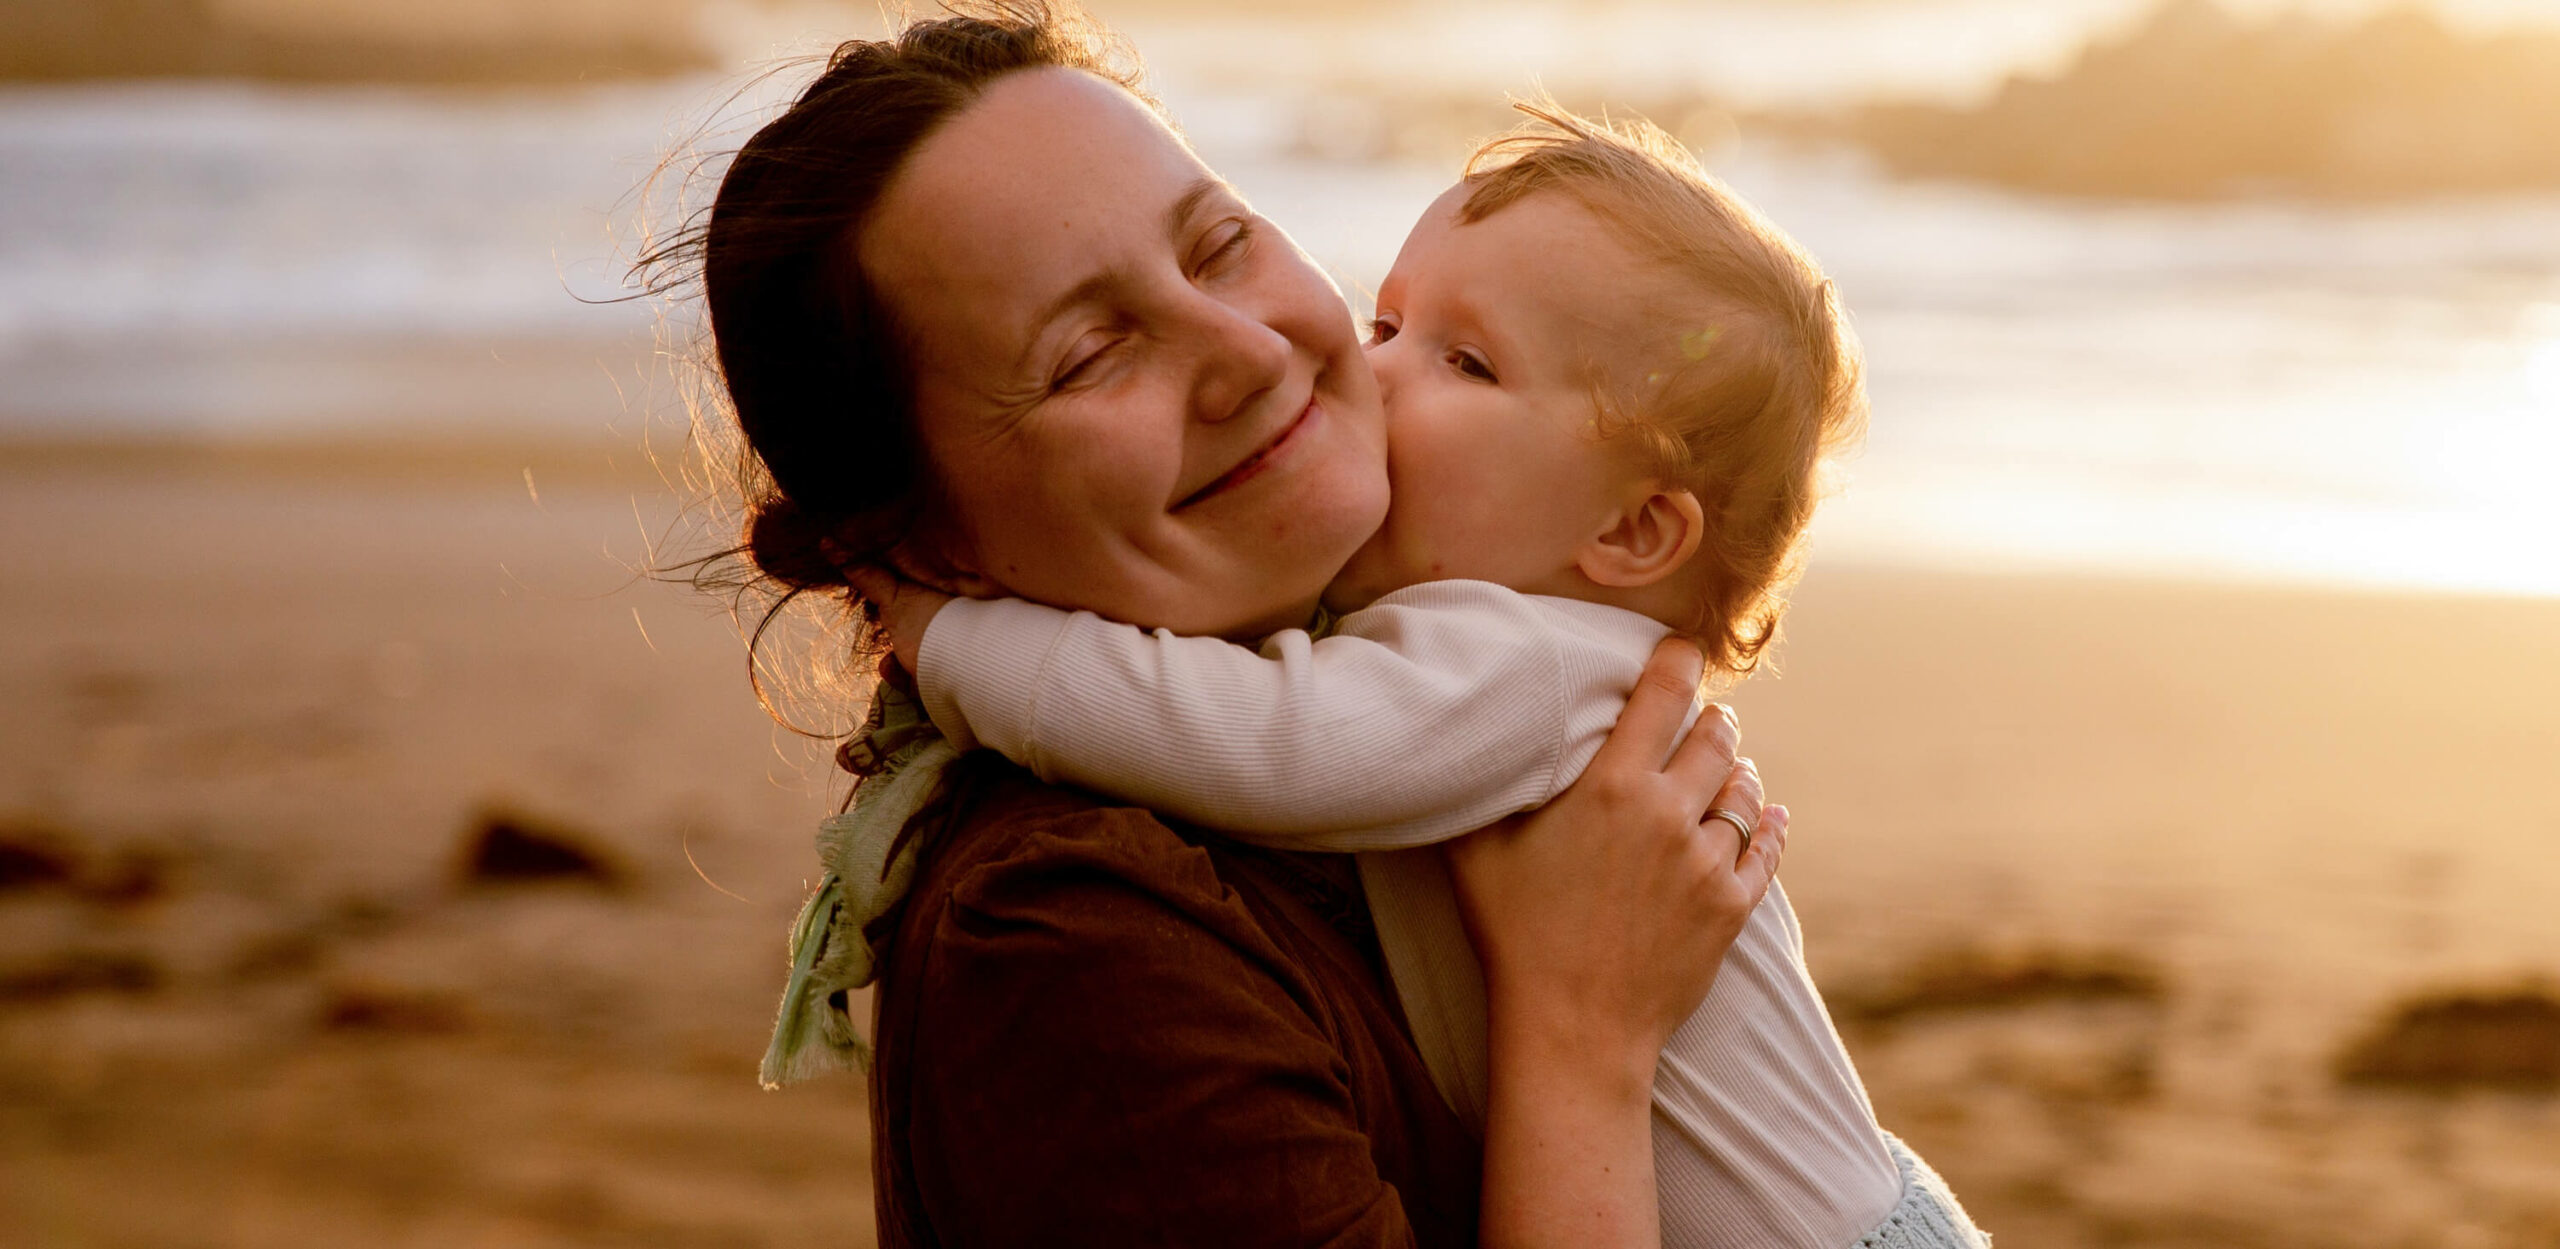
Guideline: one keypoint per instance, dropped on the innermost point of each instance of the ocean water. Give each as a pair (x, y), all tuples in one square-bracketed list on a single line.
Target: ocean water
[(2363, 395)]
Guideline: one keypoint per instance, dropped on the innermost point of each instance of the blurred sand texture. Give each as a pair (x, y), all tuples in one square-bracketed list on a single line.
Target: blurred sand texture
[(2103, 878)]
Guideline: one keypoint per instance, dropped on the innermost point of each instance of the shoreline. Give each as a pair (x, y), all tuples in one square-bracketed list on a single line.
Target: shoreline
[(421, 458), (425, 459)]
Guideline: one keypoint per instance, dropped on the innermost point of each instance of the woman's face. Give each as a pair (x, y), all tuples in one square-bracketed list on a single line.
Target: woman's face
[(1139, 397)]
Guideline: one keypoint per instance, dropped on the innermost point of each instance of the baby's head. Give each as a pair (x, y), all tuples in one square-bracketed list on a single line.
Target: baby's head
[(1607, 378)]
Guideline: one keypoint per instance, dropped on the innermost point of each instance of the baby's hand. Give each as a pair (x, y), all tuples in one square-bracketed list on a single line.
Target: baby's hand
[(905, 609)]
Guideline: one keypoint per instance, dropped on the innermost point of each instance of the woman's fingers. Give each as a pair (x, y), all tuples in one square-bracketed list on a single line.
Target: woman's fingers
[(1737, 873), (1654, 712), (1705, 761), (1759, 863), (1742, 796), (901, 607)]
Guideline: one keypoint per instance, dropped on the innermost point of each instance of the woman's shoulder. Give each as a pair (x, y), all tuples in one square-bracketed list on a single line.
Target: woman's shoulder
[(1028, 873), (1096, 874), (1011, 840), (1166, 1019)]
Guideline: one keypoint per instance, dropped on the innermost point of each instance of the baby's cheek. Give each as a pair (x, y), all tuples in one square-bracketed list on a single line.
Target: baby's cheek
[(1423, 454)]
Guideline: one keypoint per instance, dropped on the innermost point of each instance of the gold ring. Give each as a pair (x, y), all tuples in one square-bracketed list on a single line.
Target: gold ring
[(1735, 818)]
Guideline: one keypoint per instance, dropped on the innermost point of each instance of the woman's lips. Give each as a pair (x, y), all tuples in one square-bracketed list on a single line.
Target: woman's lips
[(1253, 465)]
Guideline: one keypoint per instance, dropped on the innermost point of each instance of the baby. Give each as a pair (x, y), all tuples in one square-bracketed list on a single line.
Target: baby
[(1610, 387)]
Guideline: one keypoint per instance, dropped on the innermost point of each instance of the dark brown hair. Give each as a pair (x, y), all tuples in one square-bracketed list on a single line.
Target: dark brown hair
[(832, 472), (1770, 382)]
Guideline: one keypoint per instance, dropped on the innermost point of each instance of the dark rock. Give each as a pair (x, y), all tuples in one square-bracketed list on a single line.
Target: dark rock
[(36, 856), (380, 1009), (505, 848), (2454, 1040), (32, 858), (1969, 979), (131, 878), (364, 916), (277, 956), (75, 972)]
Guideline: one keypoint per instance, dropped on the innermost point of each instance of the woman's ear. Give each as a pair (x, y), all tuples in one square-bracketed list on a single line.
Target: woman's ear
[(938, 565), (1647, 542)]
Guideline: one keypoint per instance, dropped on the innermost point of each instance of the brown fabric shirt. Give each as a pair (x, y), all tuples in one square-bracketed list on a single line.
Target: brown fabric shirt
[(1096, 1029)]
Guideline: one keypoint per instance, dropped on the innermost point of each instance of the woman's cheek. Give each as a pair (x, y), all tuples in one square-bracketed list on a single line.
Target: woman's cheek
[(1124, 443)]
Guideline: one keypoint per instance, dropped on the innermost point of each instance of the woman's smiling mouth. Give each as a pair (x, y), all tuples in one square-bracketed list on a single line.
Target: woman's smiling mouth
[(1252, 466)]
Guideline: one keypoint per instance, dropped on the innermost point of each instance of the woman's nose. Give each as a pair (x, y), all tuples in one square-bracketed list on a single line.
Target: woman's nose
[(1242, 359)]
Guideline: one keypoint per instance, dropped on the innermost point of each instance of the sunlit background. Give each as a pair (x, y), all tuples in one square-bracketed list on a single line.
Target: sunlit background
[(2173, 708)]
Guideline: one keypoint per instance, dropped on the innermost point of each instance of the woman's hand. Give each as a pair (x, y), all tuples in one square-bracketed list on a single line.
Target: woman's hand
[(1608, 911), (1601, 920), (905, 609)]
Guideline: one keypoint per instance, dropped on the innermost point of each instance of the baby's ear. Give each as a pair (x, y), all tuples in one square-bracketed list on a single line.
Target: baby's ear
[(1648, 541)]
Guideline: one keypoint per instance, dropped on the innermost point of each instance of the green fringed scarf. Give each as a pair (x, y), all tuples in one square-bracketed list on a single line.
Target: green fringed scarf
[(901, 758)]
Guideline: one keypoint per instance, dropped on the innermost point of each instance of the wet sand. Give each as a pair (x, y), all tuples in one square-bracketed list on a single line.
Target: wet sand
[(2105, 880)]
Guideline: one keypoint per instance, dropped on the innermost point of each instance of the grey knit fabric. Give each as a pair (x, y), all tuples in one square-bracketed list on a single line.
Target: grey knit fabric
[(1928, 1216)]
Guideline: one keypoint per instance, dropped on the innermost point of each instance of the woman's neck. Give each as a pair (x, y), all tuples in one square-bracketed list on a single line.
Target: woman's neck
[(1308, 614)]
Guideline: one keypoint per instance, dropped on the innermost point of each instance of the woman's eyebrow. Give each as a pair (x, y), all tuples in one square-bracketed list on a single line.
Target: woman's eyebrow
[(1179, 214)]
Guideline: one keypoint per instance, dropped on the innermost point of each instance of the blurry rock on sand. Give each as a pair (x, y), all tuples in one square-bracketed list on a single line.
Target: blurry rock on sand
[(443, 41), (2104, 879)]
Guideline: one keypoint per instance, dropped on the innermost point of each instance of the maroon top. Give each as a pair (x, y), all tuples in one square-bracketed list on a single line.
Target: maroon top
[(1096, 1029)]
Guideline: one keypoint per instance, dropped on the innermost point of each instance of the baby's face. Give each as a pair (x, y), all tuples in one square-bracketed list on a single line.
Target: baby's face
[(1489, 340)]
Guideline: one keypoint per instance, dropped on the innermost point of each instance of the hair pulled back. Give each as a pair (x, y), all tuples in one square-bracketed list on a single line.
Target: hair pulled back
[(811, 365)]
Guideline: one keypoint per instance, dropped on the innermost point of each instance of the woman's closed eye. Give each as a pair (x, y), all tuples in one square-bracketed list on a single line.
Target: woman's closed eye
[(1084, 361), (1223, 246)]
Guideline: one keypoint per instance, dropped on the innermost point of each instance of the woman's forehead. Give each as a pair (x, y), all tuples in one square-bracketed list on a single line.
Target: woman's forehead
[(1048, 178), (1042, 162)]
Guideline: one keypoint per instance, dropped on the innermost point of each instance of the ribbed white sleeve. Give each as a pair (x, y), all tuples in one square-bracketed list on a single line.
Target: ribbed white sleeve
[(1433, 712)]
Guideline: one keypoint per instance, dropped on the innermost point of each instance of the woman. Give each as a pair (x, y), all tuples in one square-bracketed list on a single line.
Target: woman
[(983, 317)]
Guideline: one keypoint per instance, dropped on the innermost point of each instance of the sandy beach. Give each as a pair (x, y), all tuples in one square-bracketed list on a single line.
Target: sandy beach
[(2107, 880)]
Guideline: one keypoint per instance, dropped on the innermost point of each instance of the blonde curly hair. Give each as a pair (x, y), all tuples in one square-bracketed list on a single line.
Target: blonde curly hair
[(1768, 384)]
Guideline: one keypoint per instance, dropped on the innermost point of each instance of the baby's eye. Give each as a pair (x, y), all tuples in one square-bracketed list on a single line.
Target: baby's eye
[(1380, 330), (1472, 366)]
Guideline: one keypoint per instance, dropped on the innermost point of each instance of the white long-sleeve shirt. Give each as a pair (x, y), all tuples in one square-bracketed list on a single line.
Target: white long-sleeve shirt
[(1433, 712)]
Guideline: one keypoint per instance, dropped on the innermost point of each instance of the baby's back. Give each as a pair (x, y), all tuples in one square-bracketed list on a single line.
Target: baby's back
[(1763, 1135), (1762, 1131)]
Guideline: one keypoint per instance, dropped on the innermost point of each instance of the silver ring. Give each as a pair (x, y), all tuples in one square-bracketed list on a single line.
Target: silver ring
[(1735, 818)]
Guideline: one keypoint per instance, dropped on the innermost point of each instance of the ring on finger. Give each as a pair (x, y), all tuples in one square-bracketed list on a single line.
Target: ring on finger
[(1742, 824)]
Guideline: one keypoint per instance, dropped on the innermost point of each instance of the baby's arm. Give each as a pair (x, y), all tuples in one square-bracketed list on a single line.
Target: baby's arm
[(1436, 711)]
